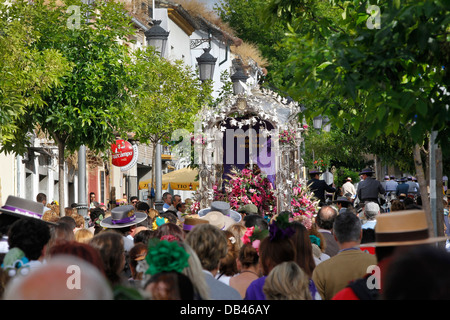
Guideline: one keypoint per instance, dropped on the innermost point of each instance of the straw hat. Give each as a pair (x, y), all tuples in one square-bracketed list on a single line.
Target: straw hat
[(224, 208), (402, 228), (219, 220), (191, 221)]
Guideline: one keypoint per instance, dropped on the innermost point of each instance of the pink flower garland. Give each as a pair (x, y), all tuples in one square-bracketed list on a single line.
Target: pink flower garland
[(245, 187), (303, 205)]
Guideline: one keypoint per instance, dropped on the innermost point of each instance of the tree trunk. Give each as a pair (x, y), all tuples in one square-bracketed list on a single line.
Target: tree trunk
[(153, 185), (423, 187), (439, 194), (61, 161)]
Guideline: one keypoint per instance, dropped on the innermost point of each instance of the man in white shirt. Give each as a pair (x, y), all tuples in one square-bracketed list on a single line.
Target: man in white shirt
[(348, 187)]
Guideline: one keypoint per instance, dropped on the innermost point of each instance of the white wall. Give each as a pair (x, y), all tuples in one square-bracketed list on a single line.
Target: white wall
[(8, 183), (219, 51)]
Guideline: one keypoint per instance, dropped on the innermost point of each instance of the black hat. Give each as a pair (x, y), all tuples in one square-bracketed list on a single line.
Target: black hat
[(315, 171), (366, 171), (341, 199)]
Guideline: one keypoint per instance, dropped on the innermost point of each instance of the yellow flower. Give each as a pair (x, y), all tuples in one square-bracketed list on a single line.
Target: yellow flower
[(159, 221)]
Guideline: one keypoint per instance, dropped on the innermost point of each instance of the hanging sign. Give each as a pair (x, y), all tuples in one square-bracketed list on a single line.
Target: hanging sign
[(124, 154)]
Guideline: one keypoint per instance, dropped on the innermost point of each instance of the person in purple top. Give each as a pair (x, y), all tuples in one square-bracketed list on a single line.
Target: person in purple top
[(273, 250)]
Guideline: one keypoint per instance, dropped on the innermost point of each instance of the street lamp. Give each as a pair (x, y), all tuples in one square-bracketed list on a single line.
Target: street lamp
[(157, 37), (317, 122), (206, 64), (236, 78), (326, 124), (323, 123)]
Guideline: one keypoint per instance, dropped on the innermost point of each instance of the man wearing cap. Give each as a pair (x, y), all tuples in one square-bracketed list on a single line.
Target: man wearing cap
[(402, 187), (412, 186), (318, 187), (369, 188), (391, 184), (371, 212)]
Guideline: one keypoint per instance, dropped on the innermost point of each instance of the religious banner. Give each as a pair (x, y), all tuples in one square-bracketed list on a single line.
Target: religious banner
[(246, 143)]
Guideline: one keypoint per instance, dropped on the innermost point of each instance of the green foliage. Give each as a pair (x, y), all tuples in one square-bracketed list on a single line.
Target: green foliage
[(252, 26), (27, 73), (343, 173), (391, 78), (167, 96), (86, 109)]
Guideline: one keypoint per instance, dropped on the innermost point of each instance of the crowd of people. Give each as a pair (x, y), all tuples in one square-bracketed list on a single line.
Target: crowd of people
[(134, 252)]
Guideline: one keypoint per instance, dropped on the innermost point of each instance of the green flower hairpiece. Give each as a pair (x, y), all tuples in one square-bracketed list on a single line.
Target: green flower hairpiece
[(166, 256)]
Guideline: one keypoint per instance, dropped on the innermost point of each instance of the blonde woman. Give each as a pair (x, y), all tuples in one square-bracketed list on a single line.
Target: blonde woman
[(195, 273), (83, 235), (287, 281)]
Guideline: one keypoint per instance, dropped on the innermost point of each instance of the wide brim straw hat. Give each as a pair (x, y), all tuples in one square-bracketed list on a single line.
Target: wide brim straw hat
[(402, 228), (191, 222), (219, 220), (224, 208)]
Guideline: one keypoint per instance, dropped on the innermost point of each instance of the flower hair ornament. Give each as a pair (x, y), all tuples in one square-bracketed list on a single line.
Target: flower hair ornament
[(280, 228), (165, 256), (253, 236), (315, 239), (159, 221), (15, 263)]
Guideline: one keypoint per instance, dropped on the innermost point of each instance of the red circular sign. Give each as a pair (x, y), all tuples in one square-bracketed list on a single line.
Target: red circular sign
[(122, 153)]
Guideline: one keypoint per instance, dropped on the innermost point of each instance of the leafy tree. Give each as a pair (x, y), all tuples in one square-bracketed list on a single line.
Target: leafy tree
[(27, 73), (89, 107), (167, 98), (392, 75), (249, 23)]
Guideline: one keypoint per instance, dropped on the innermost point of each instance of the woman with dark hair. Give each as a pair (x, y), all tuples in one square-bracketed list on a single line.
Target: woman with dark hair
[(249, 269), (110, 246), (170, 286), (302, 243), (271, 253), (170, 229)]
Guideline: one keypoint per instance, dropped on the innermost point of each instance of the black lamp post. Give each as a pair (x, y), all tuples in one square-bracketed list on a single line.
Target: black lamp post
[(206, 64), (157, 37)]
